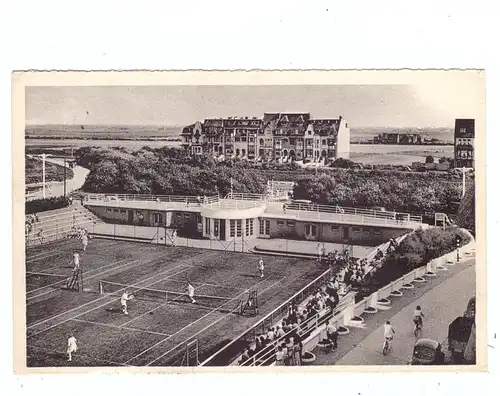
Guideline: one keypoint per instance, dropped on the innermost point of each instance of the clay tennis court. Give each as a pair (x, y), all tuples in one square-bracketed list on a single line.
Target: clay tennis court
[(156, 330)]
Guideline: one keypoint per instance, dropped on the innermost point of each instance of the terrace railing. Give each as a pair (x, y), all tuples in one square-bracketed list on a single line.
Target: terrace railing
[(270, 319), (181, 199)]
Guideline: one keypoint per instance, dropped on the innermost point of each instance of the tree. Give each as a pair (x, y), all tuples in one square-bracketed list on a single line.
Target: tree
[(466, 217), (429, 159)]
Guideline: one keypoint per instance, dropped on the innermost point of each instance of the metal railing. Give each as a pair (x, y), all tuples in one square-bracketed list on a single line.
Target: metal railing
[(272, 317), (267, 355), (230, 204), (183, 199)]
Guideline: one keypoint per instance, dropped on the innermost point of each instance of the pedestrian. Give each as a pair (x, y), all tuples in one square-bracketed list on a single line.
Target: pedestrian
[(280, 356), (332, 334)]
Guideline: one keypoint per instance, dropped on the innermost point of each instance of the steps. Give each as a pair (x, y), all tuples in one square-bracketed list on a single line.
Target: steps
[(56, 224)]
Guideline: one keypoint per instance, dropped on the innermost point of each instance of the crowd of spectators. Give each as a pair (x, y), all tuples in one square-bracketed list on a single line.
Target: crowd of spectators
[(283, 343), (30, 223)]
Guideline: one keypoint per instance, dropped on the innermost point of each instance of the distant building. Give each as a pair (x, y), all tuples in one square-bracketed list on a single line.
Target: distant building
[(399, 138), (276, 136), (464, 143)]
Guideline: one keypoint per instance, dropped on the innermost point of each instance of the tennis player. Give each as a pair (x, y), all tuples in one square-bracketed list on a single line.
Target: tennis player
[(123, 301), (72, 347), (174, 238), (85, 241), (261, 267), (76, 271), (190, 290)]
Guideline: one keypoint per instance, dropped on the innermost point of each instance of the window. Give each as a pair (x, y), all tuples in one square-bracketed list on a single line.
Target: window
[(207, 226), (232, 227), (123, 211), (261, 141), (261, 227), (109, 210), (243, 152), (376, 231), (290, 224), (216, 227), (187, 215), (244, 139), (323, 142), (335, 228), (249, 227), (116, 210), (157, 218), (281, 223), (238, 228), (463, 130), (251, 139), (356, 229), (178, 215), (366, 230)]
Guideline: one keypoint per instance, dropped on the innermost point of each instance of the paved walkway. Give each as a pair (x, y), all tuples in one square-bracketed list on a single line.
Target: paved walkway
[(56, 189), (442, 299)]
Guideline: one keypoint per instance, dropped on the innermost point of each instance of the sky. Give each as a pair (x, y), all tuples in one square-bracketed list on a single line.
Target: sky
[(360, 105)]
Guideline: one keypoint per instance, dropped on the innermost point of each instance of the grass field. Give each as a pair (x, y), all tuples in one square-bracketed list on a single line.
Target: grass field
[(155, 331)]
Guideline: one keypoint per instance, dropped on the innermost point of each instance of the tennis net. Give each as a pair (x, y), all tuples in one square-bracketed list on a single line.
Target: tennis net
[(43, 280), (223, 304)]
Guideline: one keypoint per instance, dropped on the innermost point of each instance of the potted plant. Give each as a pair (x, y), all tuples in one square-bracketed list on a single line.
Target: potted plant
[(342, 330), (384, 301), (396, 293), (308, 357)]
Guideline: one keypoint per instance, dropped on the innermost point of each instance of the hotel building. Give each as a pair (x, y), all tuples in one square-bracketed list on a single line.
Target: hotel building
[(275, 136)]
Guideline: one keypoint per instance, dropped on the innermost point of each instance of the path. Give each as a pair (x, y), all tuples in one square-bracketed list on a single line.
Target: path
[(56, 189), (442, 300)]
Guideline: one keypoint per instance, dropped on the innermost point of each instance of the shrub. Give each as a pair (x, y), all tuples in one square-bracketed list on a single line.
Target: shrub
[(42, 205), (429, 159), (416, 250)]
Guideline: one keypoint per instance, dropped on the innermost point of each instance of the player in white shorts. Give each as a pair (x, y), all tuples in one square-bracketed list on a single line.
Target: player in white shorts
[(261, 267), (123, 301), (72, 347), (190, 290), (85, 241)]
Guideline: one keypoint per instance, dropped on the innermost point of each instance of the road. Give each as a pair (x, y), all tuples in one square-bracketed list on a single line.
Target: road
[(441, 305), (56, 189)]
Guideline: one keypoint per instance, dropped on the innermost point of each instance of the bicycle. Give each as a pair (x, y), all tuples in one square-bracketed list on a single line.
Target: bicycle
[(387, 346), (417, 328)]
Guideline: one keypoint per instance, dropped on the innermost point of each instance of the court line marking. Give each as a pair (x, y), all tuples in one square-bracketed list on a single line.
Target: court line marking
[(91, 302), (192, 323), (170, 301), (44, 274), (77, 353), (206, 327), (118, 327), (115, 265)]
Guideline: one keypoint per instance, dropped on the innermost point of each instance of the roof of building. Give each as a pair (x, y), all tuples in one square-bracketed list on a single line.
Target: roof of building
[(187, 130)]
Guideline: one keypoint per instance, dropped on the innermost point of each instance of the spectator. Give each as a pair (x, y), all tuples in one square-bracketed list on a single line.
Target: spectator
[(270, 334), (297, 352), (280, 357), (289, 361), (280, 333), (332, 334)]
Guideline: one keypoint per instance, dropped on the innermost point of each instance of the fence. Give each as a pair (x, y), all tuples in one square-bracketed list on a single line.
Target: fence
[(267, 321)]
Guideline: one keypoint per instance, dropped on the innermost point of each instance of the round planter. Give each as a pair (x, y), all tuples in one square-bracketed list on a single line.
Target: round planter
[(342, 330), (408, 286), (308, 357), (358, 319), (419, 279), (396, 293), (384, 301), (430, 274), (325, 344), (370, 310), (441, 268)]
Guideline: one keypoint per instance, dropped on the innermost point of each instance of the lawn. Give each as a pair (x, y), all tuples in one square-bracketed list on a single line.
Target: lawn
[(53, 172)]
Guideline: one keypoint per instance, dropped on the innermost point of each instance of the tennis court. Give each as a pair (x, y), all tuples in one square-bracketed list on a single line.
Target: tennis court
[(161, 318)]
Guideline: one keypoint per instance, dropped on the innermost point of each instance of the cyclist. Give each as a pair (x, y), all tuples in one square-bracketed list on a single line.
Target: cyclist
[(417, 316), (388, 334)]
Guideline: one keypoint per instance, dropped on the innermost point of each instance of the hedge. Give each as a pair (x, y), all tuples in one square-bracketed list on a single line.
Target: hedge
[(42, 205), (415, 251)]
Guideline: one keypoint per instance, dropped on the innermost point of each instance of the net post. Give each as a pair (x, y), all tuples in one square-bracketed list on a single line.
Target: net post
[(101, 290)]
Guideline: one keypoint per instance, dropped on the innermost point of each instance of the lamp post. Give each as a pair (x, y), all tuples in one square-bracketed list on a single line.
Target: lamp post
[(43, 173)]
